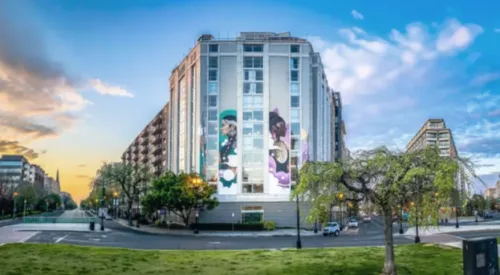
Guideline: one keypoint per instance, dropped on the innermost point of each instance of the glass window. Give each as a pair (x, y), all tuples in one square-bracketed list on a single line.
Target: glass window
[(247, 101), (259, 88), (212, 143), (213, 48), (247, 88), (213, 128), (258, 62), (294, 48), (258, 129), (212, 115), (253, 217), (258, 158), (259, 75), (253, 48), (249, 75), (247, 129), (258, 143), (212, 75), (212, 158), (212, 174), (295, 114), (294, 63), (212, 87), (295, 101), (247, 143), (295, 128), (247, 62), (294, 75), (258, 115), (247, 116), (295, 143), (294, 89), (294, 159), (212, 101), (247, 160), (213, 62)]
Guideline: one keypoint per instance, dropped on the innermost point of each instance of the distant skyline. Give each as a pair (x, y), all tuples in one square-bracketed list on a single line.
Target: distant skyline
[(80, 79)]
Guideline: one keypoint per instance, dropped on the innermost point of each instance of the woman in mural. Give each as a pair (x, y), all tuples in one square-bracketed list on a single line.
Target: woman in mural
[(279, 150), (228, 157)]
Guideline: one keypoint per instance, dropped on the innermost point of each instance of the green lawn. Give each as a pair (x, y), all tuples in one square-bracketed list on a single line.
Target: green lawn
[(44, 259)]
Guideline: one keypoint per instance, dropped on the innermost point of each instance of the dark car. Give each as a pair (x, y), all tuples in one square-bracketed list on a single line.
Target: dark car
[(488, 215)]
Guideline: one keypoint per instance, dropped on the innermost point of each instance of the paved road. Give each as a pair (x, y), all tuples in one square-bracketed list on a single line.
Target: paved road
[(477, 234), (73, 214)]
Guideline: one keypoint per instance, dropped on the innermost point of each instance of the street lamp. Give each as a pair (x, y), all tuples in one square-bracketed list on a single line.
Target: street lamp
[(341, 196), (417, 237), (196, 221), (115, 202), (15, 206), (196, 181), (299, 242), (401, 219)]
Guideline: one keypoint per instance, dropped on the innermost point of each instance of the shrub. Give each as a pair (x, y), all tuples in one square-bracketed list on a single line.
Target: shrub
[(269, 225)]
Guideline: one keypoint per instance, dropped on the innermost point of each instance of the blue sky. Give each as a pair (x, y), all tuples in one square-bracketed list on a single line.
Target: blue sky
[(396, 65)]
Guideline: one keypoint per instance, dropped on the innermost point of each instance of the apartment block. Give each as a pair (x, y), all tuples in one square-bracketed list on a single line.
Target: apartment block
[(490, 193), (246, 113), (435, 133), (149, 148)]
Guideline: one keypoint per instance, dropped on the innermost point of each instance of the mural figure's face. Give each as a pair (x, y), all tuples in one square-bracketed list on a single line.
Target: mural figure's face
[(279, 129), (227, 128)]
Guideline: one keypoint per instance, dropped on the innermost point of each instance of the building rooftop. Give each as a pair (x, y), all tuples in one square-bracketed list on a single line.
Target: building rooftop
[(13, 158)]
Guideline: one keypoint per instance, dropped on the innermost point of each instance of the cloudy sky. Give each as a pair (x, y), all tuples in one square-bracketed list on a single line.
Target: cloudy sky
[(79, 79)]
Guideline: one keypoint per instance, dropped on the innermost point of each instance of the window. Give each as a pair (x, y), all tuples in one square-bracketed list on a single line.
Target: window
[(295, 129), (295, 115), (294, 63), (247, 143), (212, 128), (256, 48), (252, 217), (213, 62), (294, 48), (295, 143), (212, 101), (212, 75), (253, 62), (247, 129), (247, 116), (258, 143), (258, 128), (252, 101), (212, 87), (211, 143), (253, 75), (258, 115), (212, 174), (212, 115), (212, 158), (295, 101), (294, 89), (213, 48), (259, 88), (253, 88), (294, 75), (253, 188)]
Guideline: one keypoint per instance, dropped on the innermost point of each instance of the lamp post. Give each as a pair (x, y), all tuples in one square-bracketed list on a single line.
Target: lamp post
[(115, 202), (299, 242), (195, 231), (196, 182), (417, 237), (341, 197), (401, 219), (15, 205), (24, 210)]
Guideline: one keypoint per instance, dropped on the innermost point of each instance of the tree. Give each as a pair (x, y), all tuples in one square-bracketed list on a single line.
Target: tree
[(53, 200), (385, 179), (131, 180), (181, 194)]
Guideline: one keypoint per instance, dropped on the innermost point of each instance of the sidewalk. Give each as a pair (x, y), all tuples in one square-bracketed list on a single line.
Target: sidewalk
[(431, 230), (75, 227), (275, 233)]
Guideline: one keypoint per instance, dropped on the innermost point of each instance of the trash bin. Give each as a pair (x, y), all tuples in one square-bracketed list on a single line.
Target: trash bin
[(92, 225), (480, 256)]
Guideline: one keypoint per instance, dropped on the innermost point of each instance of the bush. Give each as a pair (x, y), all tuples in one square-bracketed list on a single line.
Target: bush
[(269, 225), (229, 226)]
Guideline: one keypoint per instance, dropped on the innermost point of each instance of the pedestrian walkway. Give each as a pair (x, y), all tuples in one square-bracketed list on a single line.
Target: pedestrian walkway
[(74, 227), (431, 230), (9, 235), (275, 233)]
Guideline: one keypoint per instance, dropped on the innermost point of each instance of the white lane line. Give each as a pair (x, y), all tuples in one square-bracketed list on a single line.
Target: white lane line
[(28, 237), (214, 243), (62, 238)]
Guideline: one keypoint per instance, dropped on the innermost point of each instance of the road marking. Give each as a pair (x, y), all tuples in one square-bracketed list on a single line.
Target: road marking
[(60, 239), (28, 237), (214, 243)]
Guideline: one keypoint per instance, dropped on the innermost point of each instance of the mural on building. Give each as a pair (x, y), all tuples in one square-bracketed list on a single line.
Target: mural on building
[(304, 137), (279, 151), (228, 152)]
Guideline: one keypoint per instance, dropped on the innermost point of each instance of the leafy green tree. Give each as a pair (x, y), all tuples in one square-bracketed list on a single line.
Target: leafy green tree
[(53, 200), (181, 194), (385, 179), (132, 181)]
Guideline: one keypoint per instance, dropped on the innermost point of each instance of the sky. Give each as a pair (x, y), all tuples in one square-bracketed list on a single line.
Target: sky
[(80, 79)]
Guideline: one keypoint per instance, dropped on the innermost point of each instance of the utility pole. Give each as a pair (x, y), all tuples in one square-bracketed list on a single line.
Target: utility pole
[(102, 205)]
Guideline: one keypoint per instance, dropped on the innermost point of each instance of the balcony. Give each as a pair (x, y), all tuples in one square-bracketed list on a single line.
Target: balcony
[(145, 133), (144, 141), (144, 150)]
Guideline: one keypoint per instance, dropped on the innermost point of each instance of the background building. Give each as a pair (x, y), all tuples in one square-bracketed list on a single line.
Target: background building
[(245, 114), (435, 133), (490, 193)]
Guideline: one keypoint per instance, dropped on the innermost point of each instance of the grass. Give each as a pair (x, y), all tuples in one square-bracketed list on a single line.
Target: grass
[(34, 259)]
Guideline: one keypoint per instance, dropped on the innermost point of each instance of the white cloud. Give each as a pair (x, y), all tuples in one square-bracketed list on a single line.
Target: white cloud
[(485, 78), (357, 15), (363, 64), (107, 89)]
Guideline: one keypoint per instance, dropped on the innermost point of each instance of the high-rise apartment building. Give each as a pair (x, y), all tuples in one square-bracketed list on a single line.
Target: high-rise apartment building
[(15, 169), (245, 114), (435, 133), (149, 147)]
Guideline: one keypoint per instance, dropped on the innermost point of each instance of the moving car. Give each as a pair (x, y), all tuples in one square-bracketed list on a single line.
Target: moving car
[(367, 219), (331, 228), (352, 223)]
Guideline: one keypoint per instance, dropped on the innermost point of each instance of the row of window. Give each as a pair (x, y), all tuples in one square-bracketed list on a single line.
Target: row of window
[(252, 48)]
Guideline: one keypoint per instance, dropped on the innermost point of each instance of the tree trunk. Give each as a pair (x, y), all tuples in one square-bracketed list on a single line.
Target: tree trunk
[(129, 209), (389, 263)]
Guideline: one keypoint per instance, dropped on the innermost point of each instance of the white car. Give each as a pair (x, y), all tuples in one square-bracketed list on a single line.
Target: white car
[(367, 219), (331, 228), (352, 223)]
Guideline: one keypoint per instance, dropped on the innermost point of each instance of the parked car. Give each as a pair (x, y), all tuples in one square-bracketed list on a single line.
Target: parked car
[(331, 228), (367, 219), (488, 215), (352, 223)]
